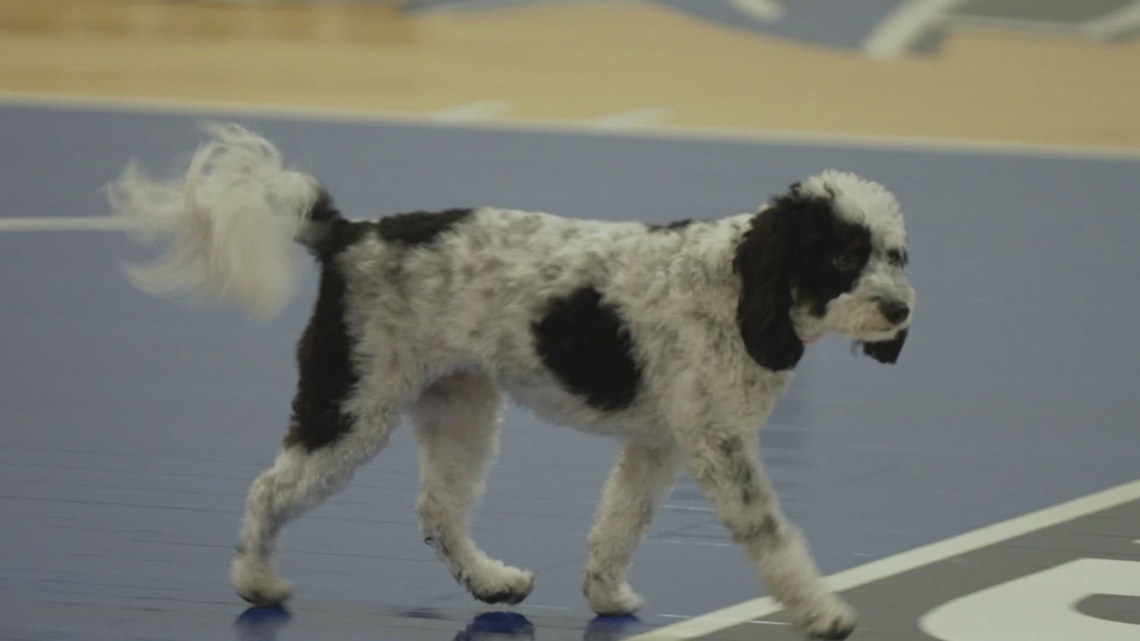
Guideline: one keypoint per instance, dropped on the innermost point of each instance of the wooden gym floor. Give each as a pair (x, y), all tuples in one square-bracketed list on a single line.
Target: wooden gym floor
[(579, 63)]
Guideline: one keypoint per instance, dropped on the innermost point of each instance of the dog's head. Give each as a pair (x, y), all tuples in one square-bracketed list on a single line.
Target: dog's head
[(826, 256)]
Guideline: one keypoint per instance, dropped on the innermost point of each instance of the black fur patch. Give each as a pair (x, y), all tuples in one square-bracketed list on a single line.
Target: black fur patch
[(739, 470), (766, 531), (586, 345), (419, 228), (763, 261), (769, 528), (324, 210), (797, 245), (328, 232), (326, 375), (830, 256)]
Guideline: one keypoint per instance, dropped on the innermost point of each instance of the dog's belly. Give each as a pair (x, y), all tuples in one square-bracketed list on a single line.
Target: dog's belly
[(552, 403)]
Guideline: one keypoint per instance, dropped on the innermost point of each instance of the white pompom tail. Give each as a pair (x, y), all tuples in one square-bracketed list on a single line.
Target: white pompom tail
[(228, 225)]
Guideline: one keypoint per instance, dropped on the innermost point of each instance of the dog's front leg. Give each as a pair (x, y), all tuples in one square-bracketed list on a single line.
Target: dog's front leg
[(636, 485), (727, 467)]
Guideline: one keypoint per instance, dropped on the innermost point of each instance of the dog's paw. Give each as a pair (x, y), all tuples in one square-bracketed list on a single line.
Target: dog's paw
[(499, 583), (258, 584), (610, 600), (829, 619)]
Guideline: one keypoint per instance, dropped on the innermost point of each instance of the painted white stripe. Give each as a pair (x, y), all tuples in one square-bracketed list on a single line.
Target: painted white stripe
[(673, 541), (474, 111), (545, 607), (903, 27), (904, 562), (1114, 24), (1041, 605), (687, 508), (632, 119), (678, 132), (761, 10), (79, 223)]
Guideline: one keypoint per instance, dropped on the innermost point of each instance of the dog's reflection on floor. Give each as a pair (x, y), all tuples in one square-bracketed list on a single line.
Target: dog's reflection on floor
[(261, 623), (497, 626), (612, 628), (265, 623)]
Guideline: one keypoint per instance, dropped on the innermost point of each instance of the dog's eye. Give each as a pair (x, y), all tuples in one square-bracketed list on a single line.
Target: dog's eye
[(844, 262)]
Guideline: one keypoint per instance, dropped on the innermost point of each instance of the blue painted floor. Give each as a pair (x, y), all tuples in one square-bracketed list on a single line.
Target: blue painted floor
[(130, 428)]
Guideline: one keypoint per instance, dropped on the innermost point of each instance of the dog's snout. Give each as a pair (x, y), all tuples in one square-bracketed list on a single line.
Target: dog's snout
[(894, 311)]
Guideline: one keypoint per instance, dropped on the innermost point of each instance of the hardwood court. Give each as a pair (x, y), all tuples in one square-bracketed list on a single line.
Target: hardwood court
[(629, 63)]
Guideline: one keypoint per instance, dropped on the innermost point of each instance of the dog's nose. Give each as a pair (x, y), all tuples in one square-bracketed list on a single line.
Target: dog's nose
[(894, 311)]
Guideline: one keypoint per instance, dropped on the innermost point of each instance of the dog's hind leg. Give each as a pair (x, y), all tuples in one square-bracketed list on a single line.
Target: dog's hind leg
[(300, 478), (342, 416), (727, 467), (636, 485), (457, 427)]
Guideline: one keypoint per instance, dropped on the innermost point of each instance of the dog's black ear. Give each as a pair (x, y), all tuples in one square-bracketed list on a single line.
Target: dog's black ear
[(886, 351), (763, 261)]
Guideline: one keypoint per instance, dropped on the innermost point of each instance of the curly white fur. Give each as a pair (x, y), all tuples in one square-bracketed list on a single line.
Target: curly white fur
[(228, 223)]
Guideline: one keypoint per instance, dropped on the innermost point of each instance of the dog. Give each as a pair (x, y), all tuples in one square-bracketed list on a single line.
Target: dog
[(677, 339)]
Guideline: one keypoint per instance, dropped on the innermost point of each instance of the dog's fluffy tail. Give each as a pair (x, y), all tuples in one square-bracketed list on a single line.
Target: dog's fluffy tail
[(227, 225)]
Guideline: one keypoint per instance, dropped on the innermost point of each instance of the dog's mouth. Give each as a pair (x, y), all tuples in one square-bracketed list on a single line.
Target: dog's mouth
[(884, 351)]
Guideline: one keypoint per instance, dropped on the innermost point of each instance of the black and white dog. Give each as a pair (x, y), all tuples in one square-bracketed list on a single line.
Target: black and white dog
[(677, 339)]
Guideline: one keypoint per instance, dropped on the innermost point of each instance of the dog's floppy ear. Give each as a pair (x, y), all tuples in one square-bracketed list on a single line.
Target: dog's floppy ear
[(886, 351), (763, 262)]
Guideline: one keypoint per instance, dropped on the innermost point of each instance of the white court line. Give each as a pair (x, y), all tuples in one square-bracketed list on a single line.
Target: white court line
[(534, 125), (676, 541), (480, 110), (686, 508), (876, 570), (77, 223), (761, 10), (1115, 23), (635, 119), (899, 31)]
